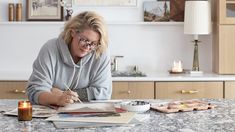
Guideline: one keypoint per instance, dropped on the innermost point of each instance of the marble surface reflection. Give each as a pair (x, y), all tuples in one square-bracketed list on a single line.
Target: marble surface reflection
[(219, 119)]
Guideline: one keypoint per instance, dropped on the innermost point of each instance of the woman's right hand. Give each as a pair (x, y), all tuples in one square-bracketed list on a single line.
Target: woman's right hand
[(65, 97), (68, 97)]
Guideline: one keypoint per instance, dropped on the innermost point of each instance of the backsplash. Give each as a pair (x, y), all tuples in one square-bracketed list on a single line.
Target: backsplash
[(152, 47)]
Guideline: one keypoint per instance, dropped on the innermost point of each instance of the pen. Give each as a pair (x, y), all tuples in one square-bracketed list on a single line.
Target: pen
[(71, 90)]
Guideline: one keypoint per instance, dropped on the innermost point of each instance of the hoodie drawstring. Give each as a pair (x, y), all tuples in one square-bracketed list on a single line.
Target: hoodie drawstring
[(79, 73)]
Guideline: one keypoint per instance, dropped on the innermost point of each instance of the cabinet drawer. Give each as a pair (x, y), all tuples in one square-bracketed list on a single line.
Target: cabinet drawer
[(133, 90), (188, 90), (12, 90), (229, 90)]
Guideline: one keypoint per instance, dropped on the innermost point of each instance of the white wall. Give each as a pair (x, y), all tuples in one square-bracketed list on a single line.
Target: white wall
[(151, 47)]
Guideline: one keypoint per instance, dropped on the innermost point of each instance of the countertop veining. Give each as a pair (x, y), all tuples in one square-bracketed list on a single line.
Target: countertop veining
[(222, 118)]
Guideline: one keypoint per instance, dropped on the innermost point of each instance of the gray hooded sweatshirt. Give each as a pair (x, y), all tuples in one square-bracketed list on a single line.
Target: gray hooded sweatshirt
[(54, 66)]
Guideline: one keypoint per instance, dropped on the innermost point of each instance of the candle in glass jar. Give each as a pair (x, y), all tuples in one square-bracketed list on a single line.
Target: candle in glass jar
[(177, 66), (24, 111)]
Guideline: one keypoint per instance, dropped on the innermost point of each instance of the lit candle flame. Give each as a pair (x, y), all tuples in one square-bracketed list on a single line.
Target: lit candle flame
[(24, 104)]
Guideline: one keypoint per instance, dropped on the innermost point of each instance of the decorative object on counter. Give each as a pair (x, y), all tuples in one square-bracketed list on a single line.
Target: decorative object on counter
[(67, 4), (11, 9), (19, 12), (136, 106), (177, 10), (156, 11), (123, 3), (177, 67), (128, 74), (50, 10), (114, 63), (24, 111), (183, 106), (197, 21), (132, 73)]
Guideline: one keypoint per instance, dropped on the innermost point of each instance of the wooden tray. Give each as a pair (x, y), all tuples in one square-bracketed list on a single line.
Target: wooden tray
[(182, 106)]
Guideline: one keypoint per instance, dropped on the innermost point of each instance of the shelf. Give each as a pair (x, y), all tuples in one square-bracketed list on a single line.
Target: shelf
[(146, 23), (109, 23), (30, 23)]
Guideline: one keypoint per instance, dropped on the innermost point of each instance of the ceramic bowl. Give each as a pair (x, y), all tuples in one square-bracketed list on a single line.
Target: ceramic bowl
[(136, 106)]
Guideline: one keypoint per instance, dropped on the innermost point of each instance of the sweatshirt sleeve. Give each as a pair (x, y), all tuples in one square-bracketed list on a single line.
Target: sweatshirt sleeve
[(41, 77), (101, 84)]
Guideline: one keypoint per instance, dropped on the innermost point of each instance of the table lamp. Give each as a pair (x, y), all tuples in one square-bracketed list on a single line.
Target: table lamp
[(197, 21)]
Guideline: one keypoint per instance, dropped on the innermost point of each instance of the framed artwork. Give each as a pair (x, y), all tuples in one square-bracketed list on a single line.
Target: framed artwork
[(156, 11), (119, 3), (44, 10), (177, 10)]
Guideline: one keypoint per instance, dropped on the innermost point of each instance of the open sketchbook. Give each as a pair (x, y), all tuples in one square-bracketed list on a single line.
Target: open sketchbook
[(123, 118), (38, 111), (88, 108), (136, 120), (85, 109)]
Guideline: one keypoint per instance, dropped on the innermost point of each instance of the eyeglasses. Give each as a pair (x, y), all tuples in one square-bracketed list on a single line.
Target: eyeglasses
[(85, 43)]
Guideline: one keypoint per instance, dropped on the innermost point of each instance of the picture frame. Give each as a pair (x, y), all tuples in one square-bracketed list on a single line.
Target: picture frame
[(106, 3), (156, 11), (177, 10), (44, 10)]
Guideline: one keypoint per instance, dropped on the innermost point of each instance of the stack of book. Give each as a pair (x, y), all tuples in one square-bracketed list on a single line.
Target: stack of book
[(91, 115)]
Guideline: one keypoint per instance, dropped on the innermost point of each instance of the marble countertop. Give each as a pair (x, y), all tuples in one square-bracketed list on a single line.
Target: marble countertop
[(222, 118), (178, 77)]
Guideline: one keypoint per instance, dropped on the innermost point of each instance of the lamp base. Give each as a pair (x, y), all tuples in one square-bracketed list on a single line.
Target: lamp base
[(196, 72)]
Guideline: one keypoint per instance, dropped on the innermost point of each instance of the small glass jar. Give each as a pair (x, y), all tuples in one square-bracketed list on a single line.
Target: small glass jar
[(18, 12), (11, 12), (24, 111)]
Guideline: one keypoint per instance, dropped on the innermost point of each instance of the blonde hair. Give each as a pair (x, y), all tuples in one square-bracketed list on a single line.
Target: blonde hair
[(83, 21)]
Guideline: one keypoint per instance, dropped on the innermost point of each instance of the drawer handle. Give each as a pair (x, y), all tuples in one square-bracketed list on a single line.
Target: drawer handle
[(189, 91), (18, 91)]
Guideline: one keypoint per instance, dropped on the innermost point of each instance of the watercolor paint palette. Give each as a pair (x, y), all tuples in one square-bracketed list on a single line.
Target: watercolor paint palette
[(183, 106)]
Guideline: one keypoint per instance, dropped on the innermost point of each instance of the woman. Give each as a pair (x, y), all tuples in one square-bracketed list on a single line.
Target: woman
[(77, 60)]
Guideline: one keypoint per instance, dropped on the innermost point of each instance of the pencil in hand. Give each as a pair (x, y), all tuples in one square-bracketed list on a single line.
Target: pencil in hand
[(71, 91)]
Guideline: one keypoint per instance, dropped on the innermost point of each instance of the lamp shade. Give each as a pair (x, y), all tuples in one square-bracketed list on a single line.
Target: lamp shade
[(197, 17)]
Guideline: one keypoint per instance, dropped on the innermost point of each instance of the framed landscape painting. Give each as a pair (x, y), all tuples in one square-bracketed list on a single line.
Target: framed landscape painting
[(156, 11), (44, 10)]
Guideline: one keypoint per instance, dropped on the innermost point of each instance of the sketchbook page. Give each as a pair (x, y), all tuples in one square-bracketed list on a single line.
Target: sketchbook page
[(88, 107), (106, 101), (123, 118), (73, 125), (38, 111)]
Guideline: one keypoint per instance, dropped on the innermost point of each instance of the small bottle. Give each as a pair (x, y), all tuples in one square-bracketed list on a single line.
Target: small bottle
[(18, 12), (10, 12)]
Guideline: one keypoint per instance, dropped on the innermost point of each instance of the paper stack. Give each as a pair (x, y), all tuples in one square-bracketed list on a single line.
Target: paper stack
[(90, 115)]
